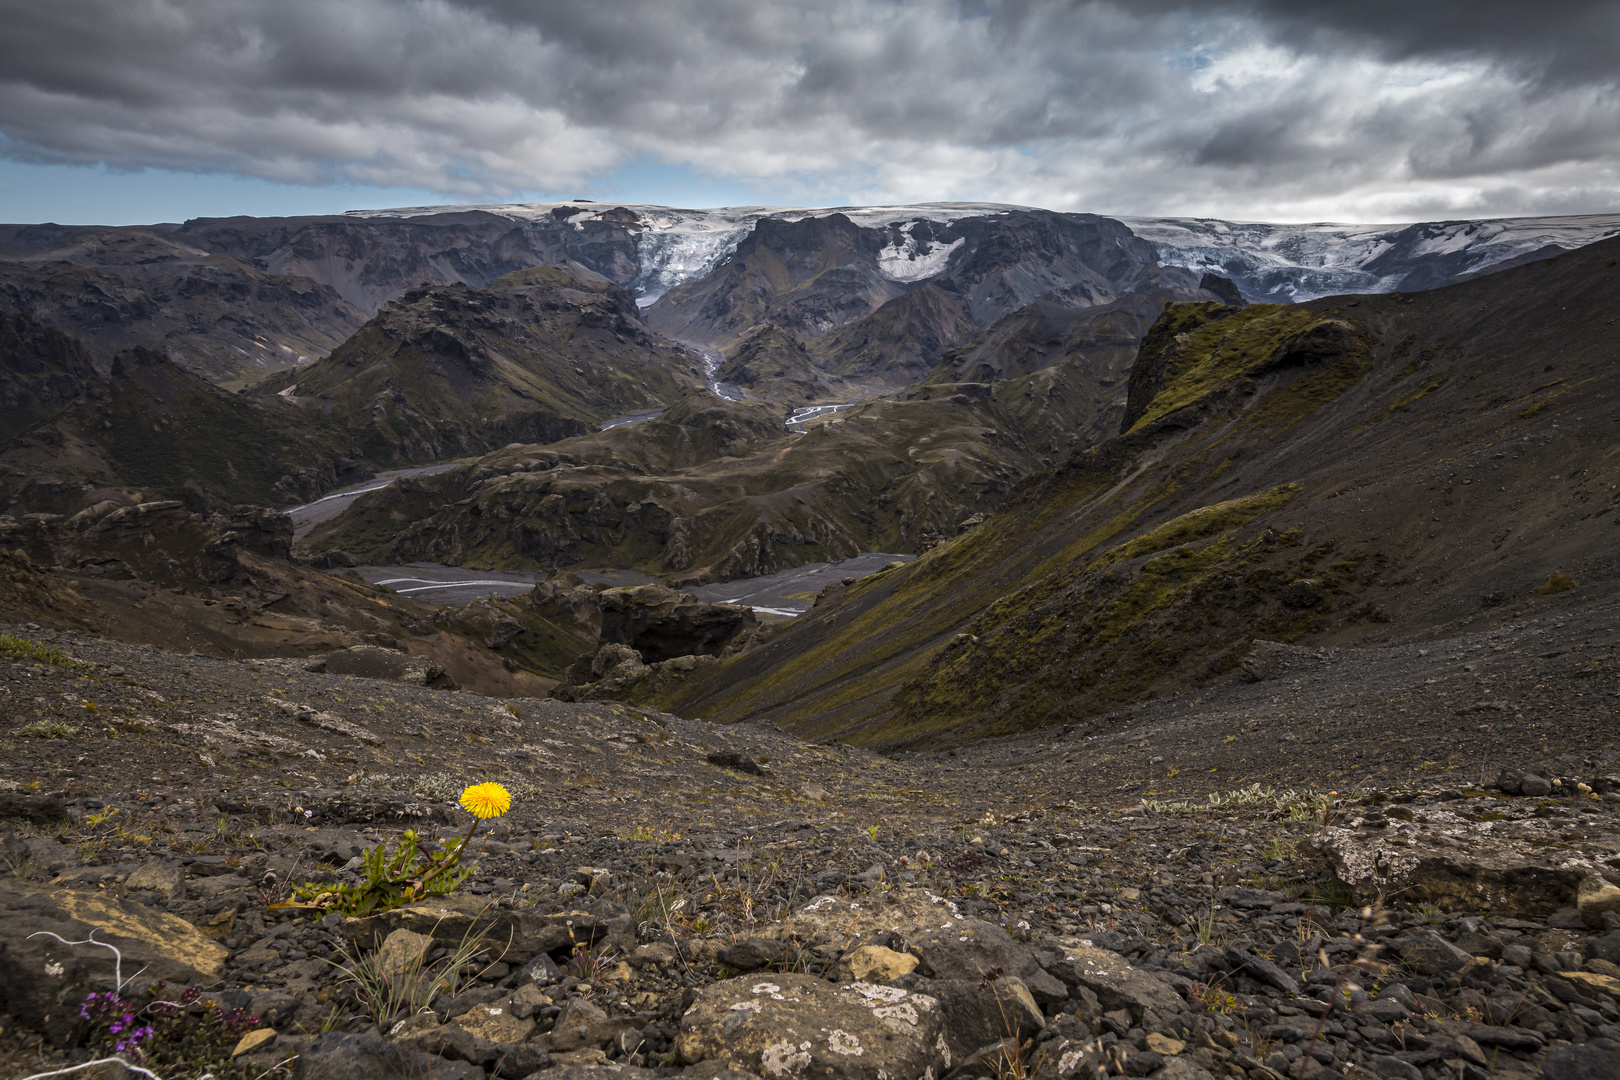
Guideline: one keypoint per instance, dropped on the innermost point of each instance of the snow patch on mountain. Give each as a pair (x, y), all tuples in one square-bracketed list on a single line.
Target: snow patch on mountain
[(677, 245), (1285, 263), (1293, 263), (909, 259)]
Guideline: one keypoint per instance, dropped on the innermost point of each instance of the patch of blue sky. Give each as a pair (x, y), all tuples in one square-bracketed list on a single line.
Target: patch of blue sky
[(97, 195)]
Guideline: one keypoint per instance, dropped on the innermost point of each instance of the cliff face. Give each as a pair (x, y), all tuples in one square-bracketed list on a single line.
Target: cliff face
[(41, 370), (817, 276)]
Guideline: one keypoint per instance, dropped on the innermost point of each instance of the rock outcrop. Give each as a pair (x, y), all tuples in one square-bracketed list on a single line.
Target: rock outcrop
[(661, 623)]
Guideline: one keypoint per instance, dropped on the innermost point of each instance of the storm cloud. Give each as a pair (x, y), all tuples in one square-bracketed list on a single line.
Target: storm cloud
[(1378, 110)]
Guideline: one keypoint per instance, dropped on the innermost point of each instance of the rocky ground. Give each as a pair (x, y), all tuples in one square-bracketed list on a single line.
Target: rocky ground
[(680, 898)]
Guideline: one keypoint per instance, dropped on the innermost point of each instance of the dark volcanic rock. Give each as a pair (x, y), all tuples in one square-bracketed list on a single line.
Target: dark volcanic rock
[(41, 370), (661, 624), (1597, 1060), (367, 1056), (1225, 290), (971, 949)]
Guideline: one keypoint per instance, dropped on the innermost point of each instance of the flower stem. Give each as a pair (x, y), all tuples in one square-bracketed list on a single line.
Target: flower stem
[(454, 858)]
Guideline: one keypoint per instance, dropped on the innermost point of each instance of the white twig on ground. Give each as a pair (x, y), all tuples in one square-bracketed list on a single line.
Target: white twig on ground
[(118, 957), (98, 1061)]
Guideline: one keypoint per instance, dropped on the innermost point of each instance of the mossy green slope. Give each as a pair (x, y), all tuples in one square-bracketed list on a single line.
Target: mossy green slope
[(708, 492), (450, 370), (773, 365), (1247, 498)]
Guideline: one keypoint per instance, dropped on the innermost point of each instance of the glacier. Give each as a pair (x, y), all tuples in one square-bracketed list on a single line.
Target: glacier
[(1294, 263), (1268, 261), (909, 259)]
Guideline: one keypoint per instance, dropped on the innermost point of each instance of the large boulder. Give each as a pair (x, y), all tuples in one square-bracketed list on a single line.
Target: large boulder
[(802, 1026), (923, 924), (1594, 897), (972, 950), (661, 624), (1512, 868), (981, 1013), (43, 981)]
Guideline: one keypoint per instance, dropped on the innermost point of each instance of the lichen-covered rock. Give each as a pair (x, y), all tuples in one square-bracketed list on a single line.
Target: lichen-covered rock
[(1113, 980), (874, 964), (1593, 897), (495, 1022), (847, 922), (160, 876), (1512, 868), (401, 952), (801, 1026)]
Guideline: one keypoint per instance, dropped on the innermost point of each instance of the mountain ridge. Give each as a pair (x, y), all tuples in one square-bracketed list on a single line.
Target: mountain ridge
[(1262, 486), (236, 298)]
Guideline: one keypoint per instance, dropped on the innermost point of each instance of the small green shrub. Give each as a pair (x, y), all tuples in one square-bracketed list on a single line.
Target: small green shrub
[(1559, 582), (48, 729), (390, 879), (16, 648)]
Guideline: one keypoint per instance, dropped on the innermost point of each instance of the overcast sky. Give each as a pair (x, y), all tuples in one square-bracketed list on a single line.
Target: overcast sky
[(1375, 110)]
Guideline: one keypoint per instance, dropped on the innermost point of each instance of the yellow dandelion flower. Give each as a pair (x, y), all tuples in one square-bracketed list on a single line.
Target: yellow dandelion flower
[(486, 800)]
